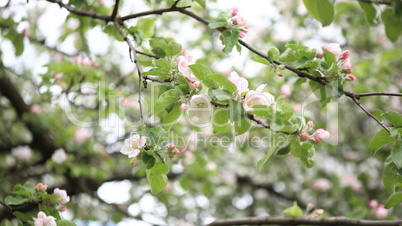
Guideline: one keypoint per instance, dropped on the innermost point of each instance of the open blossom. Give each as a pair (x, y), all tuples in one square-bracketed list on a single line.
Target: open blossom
[(43, 220), (380, 212), (23, 153), (200, 108), (258, 97), (59, 156), (183, 62), (132, 146), (63, 197), (322, 134), (240, 82), (334, 48)]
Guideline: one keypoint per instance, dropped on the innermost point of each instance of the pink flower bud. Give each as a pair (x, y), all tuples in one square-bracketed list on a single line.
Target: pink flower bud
[(373, 204), (279, 74), (322, 134), (349, 70), (310, 205), (183, 107), (87, 62), (319, 54), (95, 64), (304, 136), (36, 109), (242, 34), (58, 76), (345, 54), (239, 20), (40, 187), (62, 208), (245, 29), (77, 60), (351, 78), (310, 124), (315, 140), (334, 48), (235, 10), (171, 147), (319, 211), (133, 163)]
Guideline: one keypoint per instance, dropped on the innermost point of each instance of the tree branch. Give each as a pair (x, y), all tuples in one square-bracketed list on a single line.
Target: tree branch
[(153, 12), (115, 10), (379, 2), (369, 114), (378, 94), (81, 12), (303, 220)]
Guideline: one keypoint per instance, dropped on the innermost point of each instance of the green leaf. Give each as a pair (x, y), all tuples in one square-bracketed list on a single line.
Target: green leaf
[(262, 161), (260, 60), (200, 70), (380, 139), (112, 31), (294, 211), (236, 111), (220, 120), (393, 200), (390, 175), (201, 3), (392, 24), (370, 11), (223, 81), (65, 223), (163, 63), (171, 118), (17, 200), (22, 216), (289, 55), (173, 49), (329, 57), (157, 177), (284, 151), (273, 54), (241, 126), (229, 38), (393, 117), (159, 46), (146, 25), (396, 153), (29, 186), (49, 211), (217, 24), (321, 10), (304, 152), (148, 160), (18, 42), (221, 94), (166, 99)]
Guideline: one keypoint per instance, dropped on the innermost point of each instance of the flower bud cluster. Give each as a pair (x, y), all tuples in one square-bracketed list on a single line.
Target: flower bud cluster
[(239, 21), (316, 137)]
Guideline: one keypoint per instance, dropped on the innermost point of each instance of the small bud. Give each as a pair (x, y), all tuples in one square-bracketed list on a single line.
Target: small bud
[(235, 10), (351, 77), (322, 134), (279, 74), (349, 70), (62, 208), (172, 147), (345, 54), (373, 204), (319, 54), (315, 140), (310, 124), (304, 136), (176, 151), (183, 107), (40, 187), (310, 205), (58, 76), (133, 163), (197, 84), (242, 34)]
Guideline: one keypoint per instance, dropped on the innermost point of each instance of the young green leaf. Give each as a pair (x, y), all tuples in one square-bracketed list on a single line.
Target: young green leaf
[(223, 81), (294, 211), (200, 71), (321, 10), (390, 176), (370, 11), (146, 25), (380, 139), (229, 38), (157, 177), (396, 153)]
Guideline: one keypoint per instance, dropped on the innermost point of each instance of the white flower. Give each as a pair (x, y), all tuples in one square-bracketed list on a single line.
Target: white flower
[(59, 156), (64, 198), (43, 220), (241, 83), (258, 97), (132, 146), (182, 64), (23, 153), (334, 48), (200, 108)]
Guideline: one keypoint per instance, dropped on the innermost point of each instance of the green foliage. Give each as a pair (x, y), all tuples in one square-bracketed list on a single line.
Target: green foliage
[(157, 177), (294, 211), (321, 10), (380, 139)]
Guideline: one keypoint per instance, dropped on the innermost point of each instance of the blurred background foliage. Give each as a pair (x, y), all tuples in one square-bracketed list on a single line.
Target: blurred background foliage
[(206, 182)]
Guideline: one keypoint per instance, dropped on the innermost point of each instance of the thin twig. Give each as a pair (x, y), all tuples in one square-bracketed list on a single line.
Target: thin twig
[(137, 64), (7, 206), (81, 12), (115, 10), (303, 221), (378, 94), (153, 12), (379, 2), (369, 114)]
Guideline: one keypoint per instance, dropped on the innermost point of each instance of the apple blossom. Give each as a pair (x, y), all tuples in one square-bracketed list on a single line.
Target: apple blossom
[(373, 204), (63, 197), (239, 20), (240, 82), (40, 187), (258, 97), (319, 54), (200, 108), (285, 90), (23, 153), (183, 107), (182, 64), (59, 156), (310, 124), (351, 77), (345, 54), (132, 146), (36, 109), (315, 140), (322, 134), (235, 10), (304, 136), (334, 48), (380, 212), (43, 220), (345, 64)]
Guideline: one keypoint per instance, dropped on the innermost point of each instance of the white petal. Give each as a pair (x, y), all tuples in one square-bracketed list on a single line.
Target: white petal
[(134, 153), (125, 149), (260, 88)]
